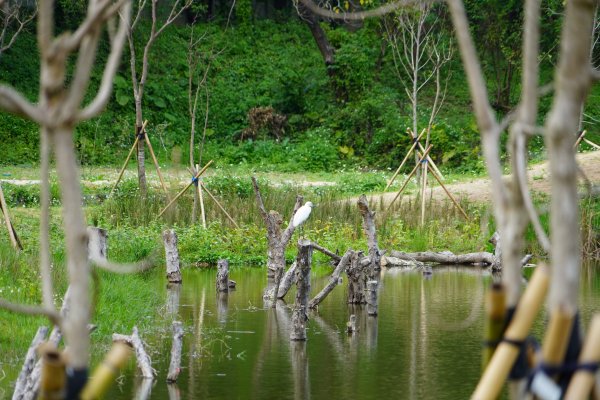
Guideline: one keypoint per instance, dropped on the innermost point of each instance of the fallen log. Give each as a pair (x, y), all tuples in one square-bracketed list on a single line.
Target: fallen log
[(445, 257), (143, 360), (29, 363)]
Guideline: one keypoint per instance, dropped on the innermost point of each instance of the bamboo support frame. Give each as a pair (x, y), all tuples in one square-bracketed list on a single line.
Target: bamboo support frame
[(428, 158), (104, 374), (557, 337), (185, 188), (201, 199), (437, 178), (493, 378), (594, 145), (53, 377), (219, 204), (408, 178), (135, 142), (495, 310), (14, 239), (579, 138), (162, 182), (423, 189), (583, 381), (404, 161)]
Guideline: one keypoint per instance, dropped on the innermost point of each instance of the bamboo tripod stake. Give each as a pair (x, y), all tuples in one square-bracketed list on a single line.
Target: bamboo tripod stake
[(493, 378), (404, 161), (137, 138), (437, 178), (201, 198), (219, 204), (186, 188), (409, 176), (583, 381), (14, 238), (428, 158)]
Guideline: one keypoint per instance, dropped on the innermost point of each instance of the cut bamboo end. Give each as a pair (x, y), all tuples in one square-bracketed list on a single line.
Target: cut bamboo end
[(583, 381), (104, 374), (493, 378), (53, 377)]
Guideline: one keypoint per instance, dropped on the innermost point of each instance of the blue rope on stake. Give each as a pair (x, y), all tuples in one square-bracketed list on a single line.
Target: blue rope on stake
[(195, 180)]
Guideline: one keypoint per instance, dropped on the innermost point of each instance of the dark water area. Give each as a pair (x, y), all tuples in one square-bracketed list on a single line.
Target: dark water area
[(424, 344)]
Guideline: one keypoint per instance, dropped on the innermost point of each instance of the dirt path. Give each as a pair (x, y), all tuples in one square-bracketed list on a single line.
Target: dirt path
[(478, 190)]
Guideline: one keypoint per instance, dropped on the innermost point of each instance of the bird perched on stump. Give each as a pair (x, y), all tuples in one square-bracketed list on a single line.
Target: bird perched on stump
[(302, 214)]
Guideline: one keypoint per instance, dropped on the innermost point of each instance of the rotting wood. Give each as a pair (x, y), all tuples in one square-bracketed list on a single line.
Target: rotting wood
[(97, 243), (143, 360), (299, 314), (172, 256), (357, 279), (29, 363), (222, 283), (286, 282), (335, 257), (333, 280), (277, 241), (371, 233), (175, 365), (445, 257), (371, 295)]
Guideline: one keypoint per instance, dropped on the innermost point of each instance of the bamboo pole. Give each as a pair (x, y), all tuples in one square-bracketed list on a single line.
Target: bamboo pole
[(556, 338), (9, 226), (493, 378), (53, 378), (423, 189), (437, 178), (185, 188), (403, 161), (594, 145), (201, 198), (495, 311), (104, 374), (219, 204), (137, 138), (428, 158), (579, 138), (408, 178), (583, 381), (162, 182)]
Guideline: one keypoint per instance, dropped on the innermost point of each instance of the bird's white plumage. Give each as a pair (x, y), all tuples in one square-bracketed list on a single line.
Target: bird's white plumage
[(302, 214)]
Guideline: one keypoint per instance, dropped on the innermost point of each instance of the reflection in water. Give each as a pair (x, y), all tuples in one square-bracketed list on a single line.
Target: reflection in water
[(222, 306), (300, 368), (173, 295), (174, 392), (144, 389)]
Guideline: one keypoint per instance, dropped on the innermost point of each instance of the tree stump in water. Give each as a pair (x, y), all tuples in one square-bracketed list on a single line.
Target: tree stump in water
[(97, 243), (175, 365), (371, 233), (172, 256), (299, 316), (222, 283), (357, 279), (372, 297)]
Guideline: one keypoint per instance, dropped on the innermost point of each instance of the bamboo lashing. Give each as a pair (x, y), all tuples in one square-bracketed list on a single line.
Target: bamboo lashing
[(409, 176), (493, 378), (583, 381), (437, 178), (404, 161), (428, 158), (137, 138), (556, 339), (185, 188), (104, 374)]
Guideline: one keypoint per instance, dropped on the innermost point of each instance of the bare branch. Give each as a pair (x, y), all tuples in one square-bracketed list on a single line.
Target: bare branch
[(105, 91), (52, 315), (7, 19), (47, 287), (124, 268), (357, 16), (14, 102)]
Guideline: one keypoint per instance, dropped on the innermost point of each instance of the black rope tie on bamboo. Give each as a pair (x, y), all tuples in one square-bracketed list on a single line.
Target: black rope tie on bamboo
[(520, 368), (141, 133), (416, 139), (76, 380)]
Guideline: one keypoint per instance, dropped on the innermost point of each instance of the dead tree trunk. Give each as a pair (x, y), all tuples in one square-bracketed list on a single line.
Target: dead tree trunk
[(174, 366), (357, 279), (372, 308), (287, 281), (370, 231), (276, 240), (334, 280), (29, 363), (299, 315), (143, 360), (97, 243), (172, 256), (222, 283)]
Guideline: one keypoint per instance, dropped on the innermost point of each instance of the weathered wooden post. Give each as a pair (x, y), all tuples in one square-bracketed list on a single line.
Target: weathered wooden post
[(222, 283), (299, 316), (174, 366), (372, 298), (97, 243), (172, 256), (357, 279)]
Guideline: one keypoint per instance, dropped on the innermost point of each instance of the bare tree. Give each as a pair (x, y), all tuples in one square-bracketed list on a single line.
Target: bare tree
[(59, 109), (14, 16), (139, 69)]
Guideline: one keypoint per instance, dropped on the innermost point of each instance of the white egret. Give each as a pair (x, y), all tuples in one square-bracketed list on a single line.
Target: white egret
[(302, 214)]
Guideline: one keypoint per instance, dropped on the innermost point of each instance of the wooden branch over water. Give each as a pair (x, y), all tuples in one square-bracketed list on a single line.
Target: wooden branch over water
[(334, 280), (143, 360)]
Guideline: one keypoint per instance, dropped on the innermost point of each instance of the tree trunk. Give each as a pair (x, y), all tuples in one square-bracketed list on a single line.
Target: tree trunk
[(172, 256), (29, 363), (141, 156), (299, 315), (372, 308), (143, 360), (222, 283), (357, 279), (369, 228)]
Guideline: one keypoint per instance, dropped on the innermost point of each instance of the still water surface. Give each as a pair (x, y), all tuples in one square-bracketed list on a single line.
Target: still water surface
[(425, 343)]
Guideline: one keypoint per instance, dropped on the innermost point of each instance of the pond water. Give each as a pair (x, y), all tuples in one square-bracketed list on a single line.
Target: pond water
[(425, 343)]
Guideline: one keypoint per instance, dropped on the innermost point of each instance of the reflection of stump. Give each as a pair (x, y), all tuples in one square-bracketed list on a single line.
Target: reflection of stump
[(222, 283), (222, 306), (300, 368), (351, 324), (299, 316), (173, 295), (172, 256), (372, 297), (97, 243), (357, 280)]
